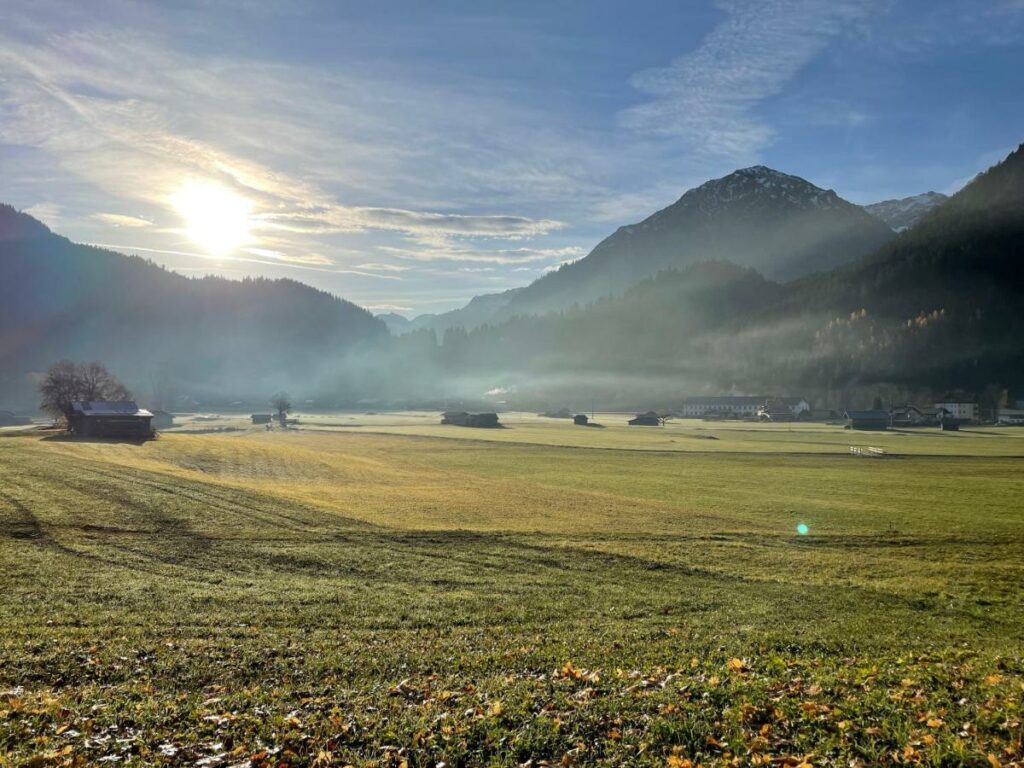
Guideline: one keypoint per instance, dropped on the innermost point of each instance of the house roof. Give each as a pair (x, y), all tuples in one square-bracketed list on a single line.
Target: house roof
[(869, 415), (118, 408)]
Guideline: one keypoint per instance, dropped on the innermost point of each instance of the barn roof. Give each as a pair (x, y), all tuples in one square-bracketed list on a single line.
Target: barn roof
[(868, 415), (118, 408)]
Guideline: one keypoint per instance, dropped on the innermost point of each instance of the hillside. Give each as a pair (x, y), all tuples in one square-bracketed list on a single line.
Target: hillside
[(937, 307), (781, 225), (161, 332)]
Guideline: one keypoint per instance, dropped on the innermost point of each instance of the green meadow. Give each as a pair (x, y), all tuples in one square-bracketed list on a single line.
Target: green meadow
[(382, 590)]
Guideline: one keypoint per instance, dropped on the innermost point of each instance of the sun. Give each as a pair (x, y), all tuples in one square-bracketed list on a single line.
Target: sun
[(216, 219)]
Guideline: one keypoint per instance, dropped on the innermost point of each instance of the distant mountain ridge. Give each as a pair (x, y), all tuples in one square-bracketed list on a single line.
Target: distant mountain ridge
[(937, 308), (60, 299), (779, 224), (905, 212)]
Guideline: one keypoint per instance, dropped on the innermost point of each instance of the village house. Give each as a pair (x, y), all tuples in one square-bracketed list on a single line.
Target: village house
[(961, 411), (110, 419), (911, 416)]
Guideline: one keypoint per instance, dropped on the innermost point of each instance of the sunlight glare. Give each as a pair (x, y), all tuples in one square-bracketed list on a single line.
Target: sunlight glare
[(216, 219)]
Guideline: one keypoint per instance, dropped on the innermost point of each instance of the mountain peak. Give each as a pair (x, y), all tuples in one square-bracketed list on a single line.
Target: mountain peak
[(759, 187)]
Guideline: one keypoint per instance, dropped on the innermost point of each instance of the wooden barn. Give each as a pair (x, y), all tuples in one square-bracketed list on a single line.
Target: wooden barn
[(261, 418), (867, 420), (464, 419), (110, 419), (649, 419), (580, 419)]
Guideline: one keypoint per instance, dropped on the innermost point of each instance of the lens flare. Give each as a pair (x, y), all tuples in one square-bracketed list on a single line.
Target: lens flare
[(802, 529)]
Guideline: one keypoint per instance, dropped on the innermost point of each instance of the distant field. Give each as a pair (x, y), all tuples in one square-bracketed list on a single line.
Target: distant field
[(676, 435), (379, 589)]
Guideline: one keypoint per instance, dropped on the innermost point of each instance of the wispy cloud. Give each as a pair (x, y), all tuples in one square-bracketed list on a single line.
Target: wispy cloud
[(452, 252), (379, 267), (137, 120), (309, 258), (706, 98), (121, 220)]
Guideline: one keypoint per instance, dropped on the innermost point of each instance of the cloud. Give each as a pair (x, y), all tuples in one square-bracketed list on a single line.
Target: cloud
[(386, 307), (706, 98), (450, 252), (309, 258), (378, 267), (137, 120), (48, 213), (120, 220)]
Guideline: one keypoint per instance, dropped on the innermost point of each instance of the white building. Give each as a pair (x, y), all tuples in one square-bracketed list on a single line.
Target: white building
[(1010, 416), (696, 407), (962, 411)]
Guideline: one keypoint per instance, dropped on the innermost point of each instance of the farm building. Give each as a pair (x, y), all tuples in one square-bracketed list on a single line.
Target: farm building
[(959, 410), (1005, 416), (696, 407), (464, 419), (110, 419), (649, 419), (869, 420), (908, 416), (261, 418), (580, 419)]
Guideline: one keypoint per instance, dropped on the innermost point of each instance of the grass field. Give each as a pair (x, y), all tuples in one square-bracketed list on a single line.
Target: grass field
[(382, 590)]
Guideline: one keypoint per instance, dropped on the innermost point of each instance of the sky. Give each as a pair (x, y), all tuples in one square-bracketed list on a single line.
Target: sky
[(408, 156)]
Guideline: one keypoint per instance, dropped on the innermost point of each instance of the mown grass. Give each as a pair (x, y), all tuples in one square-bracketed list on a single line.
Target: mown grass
[(320, 598)]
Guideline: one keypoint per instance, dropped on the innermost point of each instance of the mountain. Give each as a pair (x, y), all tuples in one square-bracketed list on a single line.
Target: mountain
[(936, 308), (479, 310), (781, 225), (907, 211), (158, 330), (397, 324)]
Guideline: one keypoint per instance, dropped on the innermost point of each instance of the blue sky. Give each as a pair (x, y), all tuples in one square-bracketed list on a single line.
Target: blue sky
[(410, 155)]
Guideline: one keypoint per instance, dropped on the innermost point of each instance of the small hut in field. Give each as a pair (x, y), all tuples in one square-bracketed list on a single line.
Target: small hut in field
[(464, 419), (649, 419)]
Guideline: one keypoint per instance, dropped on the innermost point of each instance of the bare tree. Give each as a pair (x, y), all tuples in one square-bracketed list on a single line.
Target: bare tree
[(67, 382), (282, 403)]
